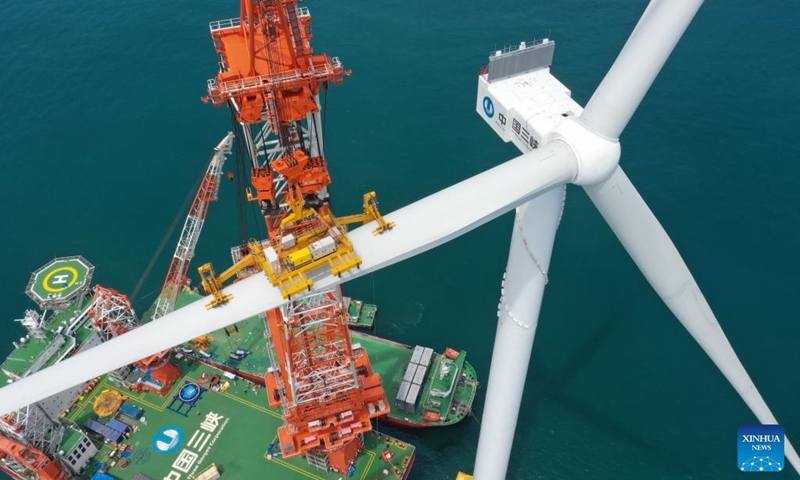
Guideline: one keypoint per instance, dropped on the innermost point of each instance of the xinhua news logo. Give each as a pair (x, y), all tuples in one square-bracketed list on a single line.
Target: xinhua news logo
[(760, 448)]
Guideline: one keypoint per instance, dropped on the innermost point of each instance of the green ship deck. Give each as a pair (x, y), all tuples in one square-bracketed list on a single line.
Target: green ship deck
[(239, 444), (389, 359), (360, 314), (33, 351)]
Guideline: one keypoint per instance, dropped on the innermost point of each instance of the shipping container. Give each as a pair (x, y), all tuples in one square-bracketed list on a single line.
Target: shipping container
[(411, 370), (412, 397), (288, 241), (417, 354), (427, 356), (272, 258), (322, 248), (300, 257), (402, 392), (419, 377)]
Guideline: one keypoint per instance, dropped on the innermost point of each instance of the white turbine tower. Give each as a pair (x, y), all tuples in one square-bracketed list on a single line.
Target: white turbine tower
[(582, 148)]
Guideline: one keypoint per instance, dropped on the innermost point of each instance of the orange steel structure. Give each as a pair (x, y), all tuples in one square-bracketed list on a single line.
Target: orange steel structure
[(270, 78), (22, 458), (328, 396), (111, 312), (160, 369)]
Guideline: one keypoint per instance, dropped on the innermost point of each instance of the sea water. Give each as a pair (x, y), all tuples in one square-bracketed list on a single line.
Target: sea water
[(102, 135)]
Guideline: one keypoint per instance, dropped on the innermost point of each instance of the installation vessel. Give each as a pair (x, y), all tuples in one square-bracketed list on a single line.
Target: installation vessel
[(290, 393)]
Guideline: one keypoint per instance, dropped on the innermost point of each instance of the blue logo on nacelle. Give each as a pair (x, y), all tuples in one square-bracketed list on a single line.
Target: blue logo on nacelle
[(488, 107), (168, 439)]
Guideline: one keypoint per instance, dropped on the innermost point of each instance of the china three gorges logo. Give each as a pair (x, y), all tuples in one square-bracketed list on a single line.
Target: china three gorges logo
[(760, 448)]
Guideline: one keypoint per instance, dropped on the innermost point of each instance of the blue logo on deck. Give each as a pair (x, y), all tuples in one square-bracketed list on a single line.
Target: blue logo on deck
[(189, 392), (760, 448), (488, 107), (168, 439)]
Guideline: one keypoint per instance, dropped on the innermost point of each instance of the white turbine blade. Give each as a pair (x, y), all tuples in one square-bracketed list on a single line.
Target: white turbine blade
[(420, 226), (656, 256), (638, 64)]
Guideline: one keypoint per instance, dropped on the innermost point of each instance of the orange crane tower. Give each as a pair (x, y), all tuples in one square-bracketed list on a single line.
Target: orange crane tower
[(29, 462), (271, 79)]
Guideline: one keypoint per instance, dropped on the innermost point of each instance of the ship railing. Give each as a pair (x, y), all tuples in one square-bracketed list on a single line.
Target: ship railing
[(233, 87), (518, 46), (224, 24)]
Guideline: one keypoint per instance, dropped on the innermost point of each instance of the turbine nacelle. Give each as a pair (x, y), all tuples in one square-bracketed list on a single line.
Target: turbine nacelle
[(526, 105)]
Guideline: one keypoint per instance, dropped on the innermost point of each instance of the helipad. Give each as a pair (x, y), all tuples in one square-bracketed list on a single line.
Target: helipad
[(59, 281)]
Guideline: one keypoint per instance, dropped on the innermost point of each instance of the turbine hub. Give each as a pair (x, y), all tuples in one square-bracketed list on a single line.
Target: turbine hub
[(597, 156)]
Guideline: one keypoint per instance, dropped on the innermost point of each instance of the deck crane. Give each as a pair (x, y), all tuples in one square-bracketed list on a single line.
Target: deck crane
[(179, 267), (271, 80), (161, 373), (29, 462)]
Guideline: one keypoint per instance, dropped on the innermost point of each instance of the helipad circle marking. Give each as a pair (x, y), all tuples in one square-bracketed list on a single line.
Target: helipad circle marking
[(46, 281)]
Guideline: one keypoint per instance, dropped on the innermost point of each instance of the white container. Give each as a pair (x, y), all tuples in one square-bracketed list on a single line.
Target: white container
[(272, 258), (411, 370), (288, 241), (321, 248), (419, 376), (427, 356), (416, 356)]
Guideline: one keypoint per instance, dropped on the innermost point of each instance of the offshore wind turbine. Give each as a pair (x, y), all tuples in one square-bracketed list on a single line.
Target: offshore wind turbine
[(581, 148)]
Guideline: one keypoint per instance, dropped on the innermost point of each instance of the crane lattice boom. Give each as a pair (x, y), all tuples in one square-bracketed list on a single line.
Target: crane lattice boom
[(207, 193)]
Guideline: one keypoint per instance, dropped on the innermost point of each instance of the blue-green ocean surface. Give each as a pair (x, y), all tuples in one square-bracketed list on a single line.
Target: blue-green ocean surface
[(102, 135)]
